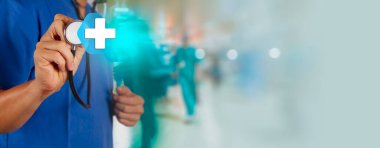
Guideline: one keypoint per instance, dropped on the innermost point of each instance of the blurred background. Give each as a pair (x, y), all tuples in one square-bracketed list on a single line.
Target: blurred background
[(267, 73)]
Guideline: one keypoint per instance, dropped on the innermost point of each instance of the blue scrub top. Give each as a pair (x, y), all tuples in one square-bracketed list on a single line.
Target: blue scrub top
[(60, 121)]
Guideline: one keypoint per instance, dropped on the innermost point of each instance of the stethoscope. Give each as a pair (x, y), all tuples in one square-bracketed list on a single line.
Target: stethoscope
[(72, 38)]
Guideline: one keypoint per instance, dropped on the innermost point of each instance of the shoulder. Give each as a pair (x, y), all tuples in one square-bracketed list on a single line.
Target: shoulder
[(22, 10), (191, 47), (25, 4), (25, 16)]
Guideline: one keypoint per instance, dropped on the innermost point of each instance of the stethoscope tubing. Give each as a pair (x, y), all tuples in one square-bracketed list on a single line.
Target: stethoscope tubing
[(88, 75), (87, 104)]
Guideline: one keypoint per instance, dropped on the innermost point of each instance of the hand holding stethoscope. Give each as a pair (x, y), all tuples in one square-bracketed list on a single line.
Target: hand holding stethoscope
[(53, 58)]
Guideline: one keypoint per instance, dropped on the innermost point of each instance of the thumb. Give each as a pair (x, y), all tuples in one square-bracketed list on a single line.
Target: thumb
[(123, 90), (79, 52)]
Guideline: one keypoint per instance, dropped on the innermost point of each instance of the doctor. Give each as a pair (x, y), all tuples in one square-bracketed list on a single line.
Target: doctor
[(186, 60), (37, 108)]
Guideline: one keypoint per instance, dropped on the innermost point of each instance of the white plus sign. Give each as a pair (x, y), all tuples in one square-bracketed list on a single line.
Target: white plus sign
[(99, 33)]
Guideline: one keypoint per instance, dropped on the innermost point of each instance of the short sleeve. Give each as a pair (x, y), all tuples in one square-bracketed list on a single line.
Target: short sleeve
[(19, 33)]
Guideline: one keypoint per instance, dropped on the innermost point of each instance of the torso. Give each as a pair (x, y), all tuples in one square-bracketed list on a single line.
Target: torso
[(61, 121)]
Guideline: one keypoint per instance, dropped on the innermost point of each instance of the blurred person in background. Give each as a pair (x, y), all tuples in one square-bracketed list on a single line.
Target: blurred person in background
[(216, 71), (186, 60), (147, 74)]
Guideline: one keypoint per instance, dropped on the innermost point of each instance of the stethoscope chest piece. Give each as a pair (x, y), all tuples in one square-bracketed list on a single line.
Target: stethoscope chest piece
[(71, 33)]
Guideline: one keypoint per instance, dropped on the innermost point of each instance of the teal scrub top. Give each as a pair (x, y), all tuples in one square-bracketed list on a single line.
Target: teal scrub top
[(60, 121), (145, 72), (185, 58)]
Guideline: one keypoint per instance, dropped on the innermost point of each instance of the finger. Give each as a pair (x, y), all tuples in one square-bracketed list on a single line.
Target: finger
[(129, 100), (65, 19), (53, 57), (123, 90), (55, 31), (62, 47), (125, 116), (128, 109), (127, 122), (79, 52)]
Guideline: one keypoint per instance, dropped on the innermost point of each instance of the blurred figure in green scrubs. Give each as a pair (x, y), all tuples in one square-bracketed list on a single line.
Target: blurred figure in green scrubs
[(148, 74), (186, 60)]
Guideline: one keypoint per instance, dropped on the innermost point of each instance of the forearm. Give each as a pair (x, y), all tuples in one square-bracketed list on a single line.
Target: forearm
[(18, 104)]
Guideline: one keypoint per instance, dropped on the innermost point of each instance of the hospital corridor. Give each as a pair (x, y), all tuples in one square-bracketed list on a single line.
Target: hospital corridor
[(189, 74), (217, 124)]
